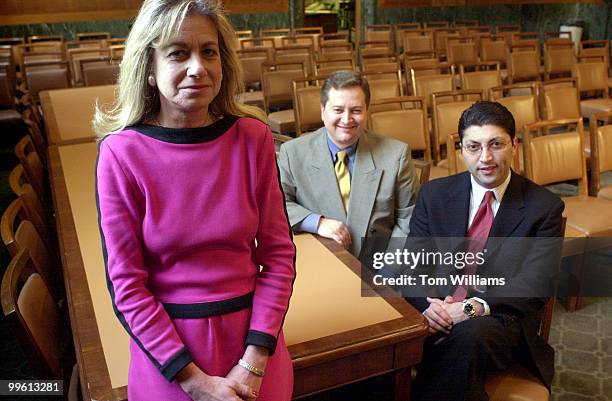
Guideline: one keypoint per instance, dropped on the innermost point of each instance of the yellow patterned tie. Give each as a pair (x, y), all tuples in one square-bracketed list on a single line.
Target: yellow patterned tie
[(343, 176)]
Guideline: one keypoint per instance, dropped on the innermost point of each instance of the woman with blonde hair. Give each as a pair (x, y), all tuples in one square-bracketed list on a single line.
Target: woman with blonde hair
[(198, 250)]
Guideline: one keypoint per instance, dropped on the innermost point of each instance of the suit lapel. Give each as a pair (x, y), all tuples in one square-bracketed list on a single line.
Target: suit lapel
[(364, 188), (509, 215), (458, 205), (511, 210), (323, 179)]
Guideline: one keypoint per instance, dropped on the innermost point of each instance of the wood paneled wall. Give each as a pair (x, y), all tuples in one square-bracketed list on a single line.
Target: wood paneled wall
[(18, 12)]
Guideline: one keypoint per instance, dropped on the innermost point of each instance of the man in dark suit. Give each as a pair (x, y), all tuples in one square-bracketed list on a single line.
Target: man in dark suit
[(474, 332), (343, 182)]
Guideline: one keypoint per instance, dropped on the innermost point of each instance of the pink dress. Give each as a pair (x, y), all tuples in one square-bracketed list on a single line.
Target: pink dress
[(198, 250)]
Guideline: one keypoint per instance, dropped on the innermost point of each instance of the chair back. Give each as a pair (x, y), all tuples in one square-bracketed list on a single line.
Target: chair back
[(592, 77), (523, 63), (483, 80), (46, 76), (7, 84), (493, 48), (276, 87), (418, 41), (447, 108), (596, 49), (559, 60), (426, 85), (407, 124), (36, 320), (379, 33), (385, 88), (399, 33), (554, 158), (456, 163), (102, 71), (251, 67), (76, 55), (561, 99), (307, 104), (523, 106), (461, 50), (600, 126)]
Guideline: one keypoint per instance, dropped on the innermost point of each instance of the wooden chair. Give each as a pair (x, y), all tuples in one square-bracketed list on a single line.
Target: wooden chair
[(523, 62), (517, 383), (441, 36), (307, 104), (593, 86), (36, 320), (418, 40), (553, 158), (447, 108), (399, 33), (92, 35), (522, 101), (559, 58), (427, 84), (493, 48), (75, 56), (46, 75), (19, 233), (407, 124), (483, 77), (461, 50), (601, 153), (17, 179), (278, 94), (560, 99), (384, 84), (32, 165), (326, 66), (379, 33), (99, 71)]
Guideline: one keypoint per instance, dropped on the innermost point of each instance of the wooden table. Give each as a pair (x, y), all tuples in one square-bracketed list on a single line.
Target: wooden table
[(68, 113), (335, 335)]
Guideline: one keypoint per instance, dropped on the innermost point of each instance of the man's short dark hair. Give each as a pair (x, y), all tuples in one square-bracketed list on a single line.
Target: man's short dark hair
[(487, 113), (345, 79)]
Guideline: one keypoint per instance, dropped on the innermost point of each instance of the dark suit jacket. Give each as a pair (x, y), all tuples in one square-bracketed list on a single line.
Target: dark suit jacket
[(526, 210)]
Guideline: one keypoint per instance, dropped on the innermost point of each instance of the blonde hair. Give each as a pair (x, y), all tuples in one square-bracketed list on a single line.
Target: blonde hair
[(157, 24)]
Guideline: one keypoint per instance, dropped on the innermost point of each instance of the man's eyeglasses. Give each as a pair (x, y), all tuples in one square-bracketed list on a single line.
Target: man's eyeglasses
[(475, 148)]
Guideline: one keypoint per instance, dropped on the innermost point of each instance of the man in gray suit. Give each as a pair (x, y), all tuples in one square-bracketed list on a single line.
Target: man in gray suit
[(345, 183)]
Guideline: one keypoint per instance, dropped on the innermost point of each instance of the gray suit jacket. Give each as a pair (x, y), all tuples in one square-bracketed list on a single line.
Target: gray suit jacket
[(383, 185)]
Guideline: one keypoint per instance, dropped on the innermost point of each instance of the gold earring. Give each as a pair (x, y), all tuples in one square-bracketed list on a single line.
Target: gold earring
[(151, 80)]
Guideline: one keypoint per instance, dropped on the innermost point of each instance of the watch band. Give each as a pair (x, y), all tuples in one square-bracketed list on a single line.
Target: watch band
[(485, 305)]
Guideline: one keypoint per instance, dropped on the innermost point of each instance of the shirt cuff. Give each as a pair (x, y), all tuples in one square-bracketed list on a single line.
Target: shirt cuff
[(310, 224), (485, 305)]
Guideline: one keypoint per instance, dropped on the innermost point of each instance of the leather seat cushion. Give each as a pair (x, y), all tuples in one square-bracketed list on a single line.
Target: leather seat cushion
[(592, 106), (592, 216), (605, 193), (515, 384), (282, 122)]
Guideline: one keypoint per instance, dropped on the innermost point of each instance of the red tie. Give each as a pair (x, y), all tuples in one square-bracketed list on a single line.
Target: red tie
[(477, 235)]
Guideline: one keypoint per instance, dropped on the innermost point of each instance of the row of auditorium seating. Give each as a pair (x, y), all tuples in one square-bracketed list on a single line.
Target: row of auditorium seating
[(33, 293), (50, 62)]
